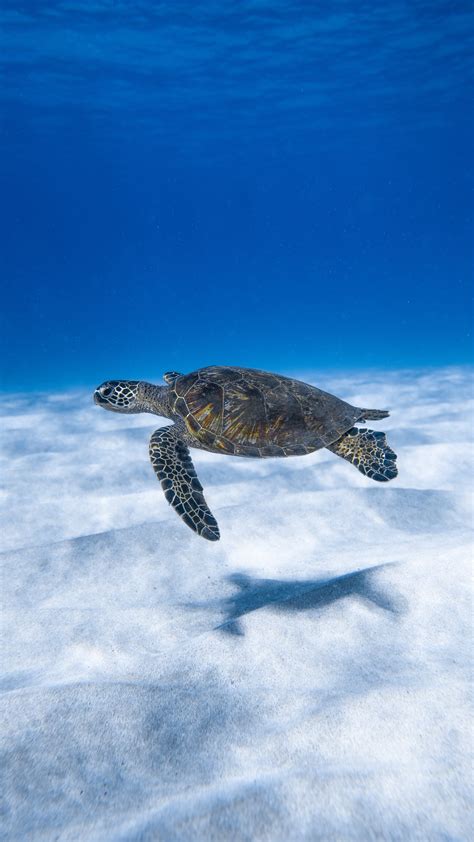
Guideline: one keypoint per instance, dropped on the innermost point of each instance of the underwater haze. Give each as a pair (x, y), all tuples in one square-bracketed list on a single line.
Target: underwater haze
[(271, 184), (279, 185)]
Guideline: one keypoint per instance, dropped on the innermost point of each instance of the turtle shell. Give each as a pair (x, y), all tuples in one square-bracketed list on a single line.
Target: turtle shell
[(247, 412)]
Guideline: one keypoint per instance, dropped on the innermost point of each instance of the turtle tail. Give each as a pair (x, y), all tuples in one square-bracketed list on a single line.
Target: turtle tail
[(369, 452), (373, 414)]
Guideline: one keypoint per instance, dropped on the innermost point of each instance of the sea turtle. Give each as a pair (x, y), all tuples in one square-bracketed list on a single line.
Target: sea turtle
[(243, 412)]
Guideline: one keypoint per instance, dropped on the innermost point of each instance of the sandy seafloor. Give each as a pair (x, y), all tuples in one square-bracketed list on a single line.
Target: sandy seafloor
[(307, 677)]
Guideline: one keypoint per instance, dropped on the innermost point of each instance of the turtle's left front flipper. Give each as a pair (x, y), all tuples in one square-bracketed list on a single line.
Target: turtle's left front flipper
[(173, 466)]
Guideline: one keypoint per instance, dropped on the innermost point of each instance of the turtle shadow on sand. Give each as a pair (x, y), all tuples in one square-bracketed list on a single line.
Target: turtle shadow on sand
[(300, 595)]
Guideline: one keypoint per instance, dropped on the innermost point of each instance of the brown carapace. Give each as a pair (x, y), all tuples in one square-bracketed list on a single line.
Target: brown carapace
[(243, 412)]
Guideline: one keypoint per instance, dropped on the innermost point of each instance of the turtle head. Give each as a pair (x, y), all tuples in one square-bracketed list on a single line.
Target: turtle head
[(120, 396)]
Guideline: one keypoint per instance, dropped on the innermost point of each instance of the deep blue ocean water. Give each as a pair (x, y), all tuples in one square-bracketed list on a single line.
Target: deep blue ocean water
[(282, 185)]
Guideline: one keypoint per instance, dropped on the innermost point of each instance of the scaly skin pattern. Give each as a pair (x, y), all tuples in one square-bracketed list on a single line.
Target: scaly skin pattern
[(369, 452), (173, 466)]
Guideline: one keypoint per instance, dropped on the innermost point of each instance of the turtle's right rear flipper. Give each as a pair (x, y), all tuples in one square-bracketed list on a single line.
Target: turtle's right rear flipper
[(369, 452)]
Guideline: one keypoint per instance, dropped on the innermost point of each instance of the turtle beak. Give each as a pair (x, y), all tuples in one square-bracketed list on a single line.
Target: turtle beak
[(98, 399)]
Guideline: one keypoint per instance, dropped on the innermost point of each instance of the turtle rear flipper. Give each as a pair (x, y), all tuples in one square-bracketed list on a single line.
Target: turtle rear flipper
[(173, 466), (369, 452)]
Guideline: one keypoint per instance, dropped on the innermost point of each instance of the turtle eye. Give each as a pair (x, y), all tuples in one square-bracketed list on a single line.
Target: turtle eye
[(106, 391)]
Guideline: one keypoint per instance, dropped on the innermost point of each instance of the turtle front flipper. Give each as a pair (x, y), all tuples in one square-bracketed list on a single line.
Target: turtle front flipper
[(173, 466)]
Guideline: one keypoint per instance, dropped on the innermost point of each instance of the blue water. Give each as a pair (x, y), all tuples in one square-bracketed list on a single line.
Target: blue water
[(283, 185)]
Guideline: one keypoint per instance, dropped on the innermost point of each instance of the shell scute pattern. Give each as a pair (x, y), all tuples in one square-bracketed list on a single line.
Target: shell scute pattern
[(254, 413)]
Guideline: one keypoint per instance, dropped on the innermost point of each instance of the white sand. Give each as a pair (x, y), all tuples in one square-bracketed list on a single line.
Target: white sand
[(160, 687)]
